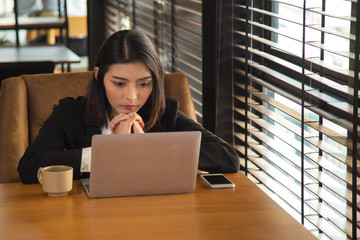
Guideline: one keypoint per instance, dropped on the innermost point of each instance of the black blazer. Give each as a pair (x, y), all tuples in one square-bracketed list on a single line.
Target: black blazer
[(69, 128)]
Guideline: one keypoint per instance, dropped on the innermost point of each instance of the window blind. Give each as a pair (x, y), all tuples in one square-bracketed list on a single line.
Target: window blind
[(117, 16), (182, 39), (296, 107), (175, 28)]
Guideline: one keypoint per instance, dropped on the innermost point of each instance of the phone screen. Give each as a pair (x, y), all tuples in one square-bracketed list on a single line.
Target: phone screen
[(217, 179)]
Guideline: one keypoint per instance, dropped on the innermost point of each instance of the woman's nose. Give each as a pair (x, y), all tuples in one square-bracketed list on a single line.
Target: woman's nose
[(131, 92)]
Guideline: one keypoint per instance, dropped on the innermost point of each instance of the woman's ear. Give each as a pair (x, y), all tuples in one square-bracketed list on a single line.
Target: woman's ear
[(96, 71)]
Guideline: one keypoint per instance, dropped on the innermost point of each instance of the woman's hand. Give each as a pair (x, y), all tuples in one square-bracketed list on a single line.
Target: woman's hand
[(127, 123), (137, 128)]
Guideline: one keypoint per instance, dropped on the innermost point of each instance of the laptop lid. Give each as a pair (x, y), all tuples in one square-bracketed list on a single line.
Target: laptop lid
[(144, 164)]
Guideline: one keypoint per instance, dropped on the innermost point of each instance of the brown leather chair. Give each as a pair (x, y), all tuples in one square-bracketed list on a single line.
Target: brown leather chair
[(26, 102)]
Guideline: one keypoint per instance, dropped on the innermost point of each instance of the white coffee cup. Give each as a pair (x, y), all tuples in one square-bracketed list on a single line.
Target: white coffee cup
[(56, 180)]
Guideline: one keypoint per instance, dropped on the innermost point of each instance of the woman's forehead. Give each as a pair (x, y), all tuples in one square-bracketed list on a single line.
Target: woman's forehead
[(136, 70)]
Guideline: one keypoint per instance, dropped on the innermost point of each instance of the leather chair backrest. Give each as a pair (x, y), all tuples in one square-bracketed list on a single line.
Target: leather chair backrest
[(27, 101), (45, 91)]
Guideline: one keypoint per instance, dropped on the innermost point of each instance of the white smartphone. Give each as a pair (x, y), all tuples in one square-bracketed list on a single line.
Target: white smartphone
[(217, 180)]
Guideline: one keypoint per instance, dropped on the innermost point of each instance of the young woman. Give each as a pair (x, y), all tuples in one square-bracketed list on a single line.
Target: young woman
[(125, 96)]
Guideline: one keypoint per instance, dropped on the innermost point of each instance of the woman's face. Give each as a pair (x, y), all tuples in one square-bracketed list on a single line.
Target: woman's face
[(127, 86)]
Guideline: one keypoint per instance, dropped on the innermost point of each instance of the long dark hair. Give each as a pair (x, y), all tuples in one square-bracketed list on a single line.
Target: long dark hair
[(127, 46)]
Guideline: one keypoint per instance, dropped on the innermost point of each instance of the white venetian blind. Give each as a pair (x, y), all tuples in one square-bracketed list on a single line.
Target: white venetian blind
[(296, 107)]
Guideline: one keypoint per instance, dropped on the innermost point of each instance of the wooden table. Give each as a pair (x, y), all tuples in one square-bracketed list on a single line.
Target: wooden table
[(56, 53), (245, 212), (59, 54)]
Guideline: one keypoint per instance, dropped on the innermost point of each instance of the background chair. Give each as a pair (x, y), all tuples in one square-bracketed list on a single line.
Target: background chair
[(26, 102), (19, 68)]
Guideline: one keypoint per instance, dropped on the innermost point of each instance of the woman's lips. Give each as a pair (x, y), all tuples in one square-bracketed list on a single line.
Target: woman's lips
[(129, 107)]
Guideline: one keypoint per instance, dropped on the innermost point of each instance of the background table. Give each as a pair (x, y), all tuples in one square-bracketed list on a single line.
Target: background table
[(8, 23), (244, 212), (55, 53)]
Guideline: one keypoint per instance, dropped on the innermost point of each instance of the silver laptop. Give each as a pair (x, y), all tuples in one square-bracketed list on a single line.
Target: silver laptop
[(143, 164)]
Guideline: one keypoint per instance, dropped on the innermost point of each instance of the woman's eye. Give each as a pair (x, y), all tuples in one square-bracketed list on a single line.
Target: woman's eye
[(120, 84), (145, 84)]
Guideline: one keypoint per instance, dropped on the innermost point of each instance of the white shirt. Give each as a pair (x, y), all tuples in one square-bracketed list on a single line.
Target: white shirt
[(86, 152)]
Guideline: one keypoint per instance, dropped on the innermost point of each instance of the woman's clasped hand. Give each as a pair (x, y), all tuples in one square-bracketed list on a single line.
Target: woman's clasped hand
[(126, 123)]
